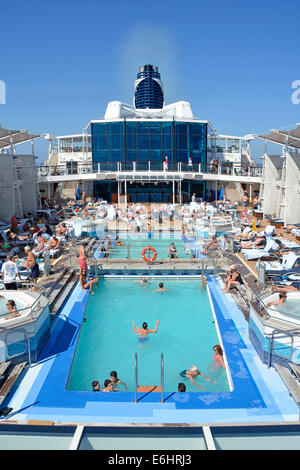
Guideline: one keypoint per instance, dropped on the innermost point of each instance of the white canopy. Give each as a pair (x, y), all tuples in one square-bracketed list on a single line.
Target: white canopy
[(13, 137), (290, 138)]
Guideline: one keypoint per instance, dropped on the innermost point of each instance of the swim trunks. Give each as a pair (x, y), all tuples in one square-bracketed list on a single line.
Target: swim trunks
[(82, 262), (35, 271)]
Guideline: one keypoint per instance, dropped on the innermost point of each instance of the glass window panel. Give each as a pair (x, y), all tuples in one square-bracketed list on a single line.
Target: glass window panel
[(100, 128), (100, 142), (116, 141), (131, 141), (196, 156), (233, 145), (116, 155), (196, 142), (181, 127), (181, 156), (130, 155), (198, 128), (167, 127), (155, 127), (143, 127), (167, 141), (100, 156), (155, 155), (221, 145), (130, 127), (143, 141), (155, 141), (116, 127), (143, 155), (182, 141)]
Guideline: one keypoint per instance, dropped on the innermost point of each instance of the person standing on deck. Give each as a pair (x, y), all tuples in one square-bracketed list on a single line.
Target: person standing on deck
[(32, 266)]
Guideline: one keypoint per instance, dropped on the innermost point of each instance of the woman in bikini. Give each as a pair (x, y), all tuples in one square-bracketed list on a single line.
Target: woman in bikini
[(218, 356), (85, 283)]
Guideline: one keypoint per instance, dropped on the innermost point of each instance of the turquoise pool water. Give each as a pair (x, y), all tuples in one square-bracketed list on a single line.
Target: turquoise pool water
[(186, 335), (3, 309), (133, 248)]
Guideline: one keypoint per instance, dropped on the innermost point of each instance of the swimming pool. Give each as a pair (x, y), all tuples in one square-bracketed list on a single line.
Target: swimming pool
[(186, 335), (134, 248), (133, 245)]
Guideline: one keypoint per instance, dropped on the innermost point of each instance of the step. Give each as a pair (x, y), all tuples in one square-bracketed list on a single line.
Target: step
[(3, 367), (60, 287), (55, 305), (149, 388), (290, 382), (12, 377)]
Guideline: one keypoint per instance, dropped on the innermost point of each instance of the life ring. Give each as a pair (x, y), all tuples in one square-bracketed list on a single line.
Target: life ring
[(154, 254)]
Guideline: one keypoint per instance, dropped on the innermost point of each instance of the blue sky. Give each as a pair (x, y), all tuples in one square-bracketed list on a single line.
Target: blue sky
[(234, 61)]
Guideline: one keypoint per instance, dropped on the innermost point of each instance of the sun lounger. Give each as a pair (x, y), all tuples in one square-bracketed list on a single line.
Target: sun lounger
[(290, 262), (255, 253)]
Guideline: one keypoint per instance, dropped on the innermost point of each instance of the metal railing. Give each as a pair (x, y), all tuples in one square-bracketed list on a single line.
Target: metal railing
[(283, 335), (134, 167), (136, 377), (33, 311)]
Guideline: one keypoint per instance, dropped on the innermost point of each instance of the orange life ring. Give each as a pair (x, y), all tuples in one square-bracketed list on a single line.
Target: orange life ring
[(154, 254)]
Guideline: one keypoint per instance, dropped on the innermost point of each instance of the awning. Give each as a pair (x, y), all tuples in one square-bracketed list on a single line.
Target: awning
[(13, 137), (290, 138)]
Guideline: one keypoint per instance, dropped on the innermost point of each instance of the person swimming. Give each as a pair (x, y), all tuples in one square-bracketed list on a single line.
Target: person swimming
[(143, 281), (144, 331), (161, 288), (192, 372)]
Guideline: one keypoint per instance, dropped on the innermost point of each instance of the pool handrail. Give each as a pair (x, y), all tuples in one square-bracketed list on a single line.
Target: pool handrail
[(161, 377), (136, 377), (162, 367)]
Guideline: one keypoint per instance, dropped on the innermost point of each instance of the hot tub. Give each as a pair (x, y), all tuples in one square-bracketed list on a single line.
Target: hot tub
[(24, 336), (289, 311), (22, 301)]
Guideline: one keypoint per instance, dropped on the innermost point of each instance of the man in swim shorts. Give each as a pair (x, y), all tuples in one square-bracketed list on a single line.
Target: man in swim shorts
[(143, 332)]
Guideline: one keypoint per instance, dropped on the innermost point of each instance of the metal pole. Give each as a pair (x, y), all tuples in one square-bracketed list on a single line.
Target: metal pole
[(162, 378), (173, 191), (136, 376)]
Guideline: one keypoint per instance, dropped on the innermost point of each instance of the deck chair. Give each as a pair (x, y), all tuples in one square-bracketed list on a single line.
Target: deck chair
[(255, 253), (290, 262)]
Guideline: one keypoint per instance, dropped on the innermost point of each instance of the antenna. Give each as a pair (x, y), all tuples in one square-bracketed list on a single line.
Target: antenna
[(146, 32)]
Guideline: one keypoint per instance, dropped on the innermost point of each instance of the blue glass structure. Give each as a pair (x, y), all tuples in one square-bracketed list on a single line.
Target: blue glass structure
[(149, 141), (148, 89), (139, 135)]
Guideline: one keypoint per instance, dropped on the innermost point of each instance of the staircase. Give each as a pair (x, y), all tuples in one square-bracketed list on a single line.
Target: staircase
[(65, 191), (233, 191)]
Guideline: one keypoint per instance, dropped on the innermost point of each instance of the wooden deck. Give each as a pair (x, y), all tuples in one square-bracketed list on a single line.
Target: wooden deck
[(149, 388)]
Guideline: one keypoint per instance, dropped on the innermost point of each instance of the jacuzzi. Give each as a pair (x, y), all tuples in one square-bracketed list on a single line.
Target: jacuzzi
[(278, 330), (22, 300), (24, 336), (289, 311)]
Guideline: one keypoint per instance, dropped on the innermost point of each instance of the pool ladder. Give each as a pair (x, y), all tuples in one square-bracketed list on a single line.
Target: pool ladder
[(151, 388)]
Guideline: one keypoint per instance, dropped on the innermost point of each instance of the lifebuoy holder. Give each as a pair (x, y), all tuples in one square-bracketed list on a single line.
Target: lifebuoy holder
[(149, 248)]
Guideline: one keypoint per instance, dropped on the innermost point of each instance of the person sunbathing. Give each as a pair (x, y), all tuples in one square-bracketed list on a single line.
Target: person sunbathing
[(259, 242)]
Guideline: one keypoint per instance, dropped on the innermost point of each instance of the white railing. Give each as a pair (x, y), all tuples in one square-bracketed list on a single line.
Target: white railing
[(149, 167)]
